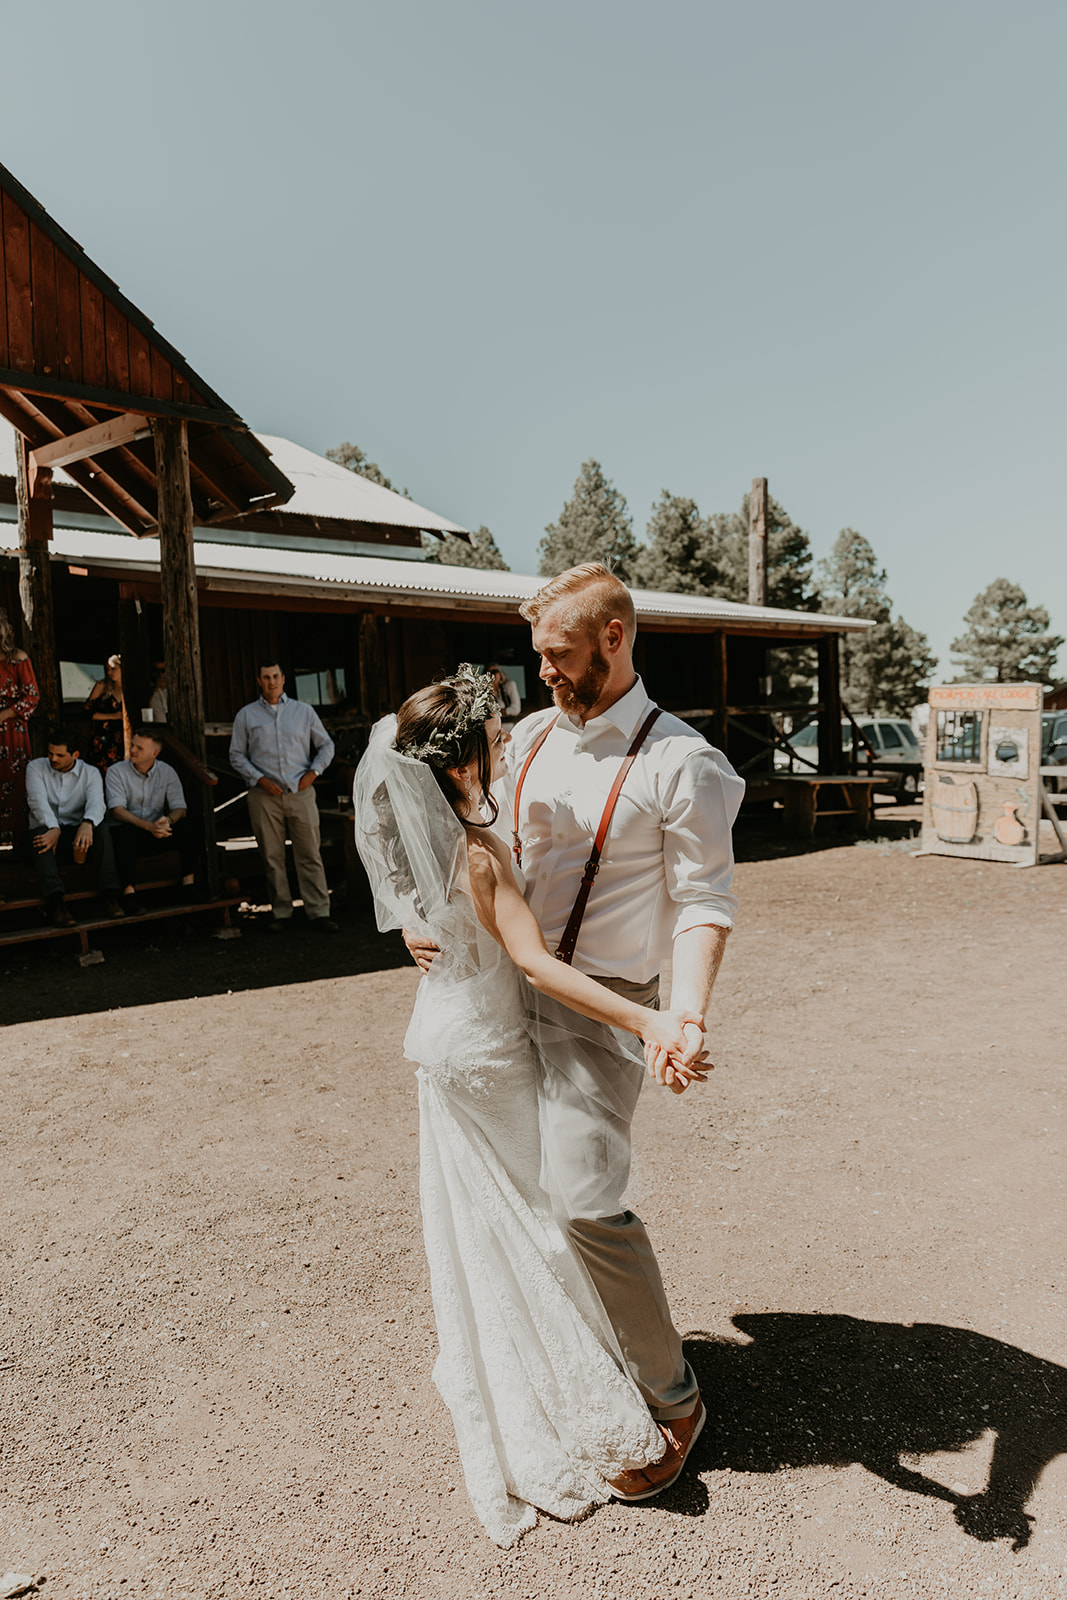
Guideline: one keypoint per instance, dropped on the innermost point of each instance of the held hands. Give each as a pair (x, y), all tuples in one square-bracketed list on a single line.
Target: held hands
[(269, 786), (160, 828), (674, 1049)]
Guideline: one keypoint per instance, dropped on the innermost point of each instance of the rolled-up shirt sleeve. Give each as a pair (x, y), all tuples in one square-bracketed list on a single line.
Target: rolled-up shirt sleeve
[(701, 799), (175, 795), (114, 788), (95, 805), (321, 744)]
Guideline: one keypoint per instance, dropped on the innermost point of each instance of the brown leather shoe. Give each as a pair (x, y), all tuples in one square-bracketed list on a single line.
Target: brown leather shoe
[(59, 916), (681, 1434)]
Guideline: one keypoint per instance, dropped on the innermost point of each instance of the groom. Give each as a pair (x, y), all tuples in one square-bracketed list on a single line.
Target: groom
[(662, 890)]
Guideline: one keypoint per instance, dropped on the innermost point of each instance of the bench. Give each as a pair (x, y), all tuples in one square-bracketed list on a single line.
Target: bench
[(18, 880), (806, 799)]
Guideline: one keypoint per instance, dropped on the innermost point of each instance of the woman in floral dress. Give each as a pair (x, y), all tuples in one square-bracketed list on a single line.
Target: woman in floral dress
[(107, 738), (18, 700)]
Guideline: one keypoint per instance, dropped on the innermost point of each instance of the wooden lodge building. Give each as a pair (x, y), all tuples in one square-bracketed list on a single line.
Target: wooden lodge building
[(334, 584), (144, 518)]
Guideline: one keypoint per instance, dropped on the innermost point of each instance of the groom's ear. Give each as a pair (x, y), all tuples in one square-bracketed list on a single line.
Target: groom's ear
[(614, 636)]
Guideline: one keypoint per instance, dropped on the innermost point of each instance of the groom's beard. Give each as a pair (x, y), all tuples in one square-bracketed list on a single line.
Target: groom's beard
[(582, 695)]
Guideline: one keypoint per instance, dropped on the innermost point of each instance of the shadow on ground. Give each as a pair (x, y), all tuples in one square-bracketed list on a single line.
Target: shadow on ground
[(760, 835), (180, 959), (830, 1391)]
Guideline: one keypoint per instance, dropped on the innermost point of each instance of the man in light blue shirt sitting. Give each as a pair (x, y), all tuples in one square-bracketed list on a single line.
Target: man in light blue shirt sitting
[(66, 805), (148, 815), (279, 747)]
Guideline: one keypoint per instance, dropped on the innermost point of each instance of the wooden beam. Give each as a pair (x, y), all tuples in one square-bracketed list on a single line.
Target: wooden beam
[(93, 441), (35, 581), (757, 543), (181, 618), (831, 745)]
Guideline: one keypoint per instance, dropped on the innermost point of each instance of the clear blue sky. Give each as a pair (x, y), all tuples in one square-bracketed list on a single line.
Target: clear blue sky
[(822, 242)]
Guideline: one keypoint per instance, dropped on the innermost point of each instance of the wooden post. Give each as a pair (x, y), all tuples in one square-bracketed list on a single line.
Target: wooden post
[(181, 618), (757, 543), (136, 668), (719, 695), (831, 751), (34, 489), (369, 667)]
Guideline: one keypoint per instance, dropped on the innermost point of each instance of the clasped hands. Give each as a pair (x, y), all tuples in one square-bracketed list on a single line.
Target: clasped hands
[(675, 1053)]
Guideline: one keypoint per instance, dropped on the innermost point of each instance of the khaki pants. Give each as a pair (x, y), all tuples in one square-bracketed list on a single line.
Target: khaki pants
[(273, 816), (616, 1249)]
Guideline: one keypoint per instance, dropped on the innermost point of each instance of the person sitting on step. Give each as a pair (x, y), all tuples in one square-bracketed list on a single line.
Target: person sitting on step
[(65, 798), (148, 816)]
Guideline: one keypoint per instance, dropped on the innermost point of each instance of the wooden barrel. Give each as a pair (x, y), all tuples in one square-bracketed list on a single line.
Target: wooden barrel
[(954, 808)]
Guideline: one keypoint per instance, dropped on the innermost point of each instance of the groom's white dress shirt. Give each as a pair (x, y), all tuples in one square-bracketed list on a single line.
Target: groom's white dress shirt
[(667, 863)]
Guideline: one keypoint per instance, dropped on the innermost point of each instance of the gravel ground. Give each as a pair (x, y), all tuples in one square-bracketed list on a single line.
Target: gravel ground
[(215, 1320)]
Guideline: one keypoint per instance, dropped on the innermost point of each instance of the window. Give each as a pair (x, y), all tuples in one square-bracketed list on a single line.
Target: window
[(959, 736), (909, 736), (77, 678), (869, 732), (890, 737), (806, 737), (325, 688)]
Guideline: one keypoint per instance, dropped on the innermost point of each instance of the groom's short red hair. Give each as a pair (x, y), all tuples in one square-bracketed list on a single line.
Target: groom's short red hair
[(591, 597)]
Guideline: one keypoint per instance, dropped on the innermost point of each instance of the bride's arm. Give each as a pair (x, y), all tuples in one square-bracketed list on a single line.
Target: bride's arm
[(503, 912)]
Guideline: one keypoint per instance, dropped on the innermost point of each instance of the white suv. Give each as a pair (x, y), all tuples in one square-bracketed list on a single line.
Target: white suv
[(898, 755)]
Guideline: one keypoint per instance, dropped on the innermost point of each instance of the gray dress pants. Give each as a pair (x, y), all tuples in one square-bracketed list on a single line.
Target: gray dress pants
[(273, 816), (615, 1247)]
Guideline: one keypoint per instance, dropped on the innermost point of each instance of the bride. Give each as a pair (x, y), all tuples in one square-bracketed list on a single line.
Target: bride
[(545, 1414)]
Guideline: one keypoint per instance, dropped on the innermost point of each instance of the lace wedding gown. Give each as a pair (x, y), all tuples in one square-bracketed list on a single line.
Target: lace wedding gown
[(528, 1364)]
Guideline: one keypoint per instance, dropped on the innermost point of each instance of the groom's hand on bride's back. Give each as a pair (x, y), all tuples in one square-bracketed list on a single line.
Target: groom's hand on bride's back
[(420, 949)]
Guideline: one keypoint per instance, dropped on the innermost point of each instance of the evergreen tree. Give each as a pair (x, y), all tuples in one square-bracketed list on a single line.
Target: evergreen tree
[(788, 557), (356, 460), (887, 668), (1007, 640), (594, 525), (482, 551), (682, 552)]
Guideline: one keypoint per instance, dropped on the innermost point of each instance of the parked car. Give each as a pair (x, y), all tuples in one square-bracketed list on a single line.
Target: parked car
[(1054, 748), (898, 757)]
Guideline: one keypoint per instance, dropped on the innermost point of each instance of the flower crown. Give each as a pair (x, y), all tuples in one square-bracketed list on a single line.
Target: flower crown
[(477, 703)]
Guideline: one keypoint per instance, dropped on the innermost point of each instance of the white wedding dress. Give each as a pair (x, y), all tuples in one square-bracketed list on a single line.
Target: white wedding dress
[(528, 1365), (544, 1411)]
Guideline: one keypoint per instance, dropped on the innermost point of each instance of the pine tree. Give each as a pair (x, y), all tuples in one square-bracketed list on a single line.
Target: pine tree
[(887, 668), (1007, 640), (594, 525), (681, 554), (356, 460), (482, 551)]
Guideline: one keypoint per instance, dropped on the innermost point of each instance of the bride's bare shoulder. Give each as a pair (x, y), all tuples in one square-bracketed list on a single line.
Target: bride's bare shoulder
[(486, 856)]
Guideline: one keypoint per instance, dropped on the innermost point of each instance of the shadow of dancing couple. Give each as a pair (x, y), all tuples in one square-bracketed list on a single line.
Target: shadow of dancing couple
[(827, 1390)]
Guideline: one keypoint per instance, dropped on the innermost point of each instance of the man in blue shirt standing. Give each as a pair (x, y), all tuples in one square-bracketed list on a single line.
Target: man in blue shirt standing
[(280, 747), (66, 804)]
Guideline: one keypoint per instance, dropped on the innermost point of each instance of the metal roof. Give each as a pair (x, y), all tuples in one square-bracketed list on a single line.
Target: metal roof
[(325, 489), (379, 579)]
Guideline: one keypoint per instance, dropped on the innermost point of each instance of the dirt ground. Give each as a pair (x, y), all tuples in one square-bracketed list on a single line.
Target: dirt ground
[(216, 1337)]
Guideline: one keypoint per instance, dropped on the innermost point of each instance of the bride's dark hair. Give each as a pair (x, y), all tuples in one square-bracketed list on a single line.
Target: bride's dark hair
[(434, 725)]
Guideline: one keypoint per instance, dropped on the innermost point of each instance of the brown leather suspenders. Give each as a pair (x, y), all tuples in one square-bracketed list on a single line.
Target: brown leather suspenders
[(565, 949)]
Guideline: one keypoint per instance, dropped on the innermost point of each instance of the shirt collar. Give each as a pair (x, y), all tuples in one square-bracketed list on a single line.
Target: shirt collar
[(265, 702), (623, 714)]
